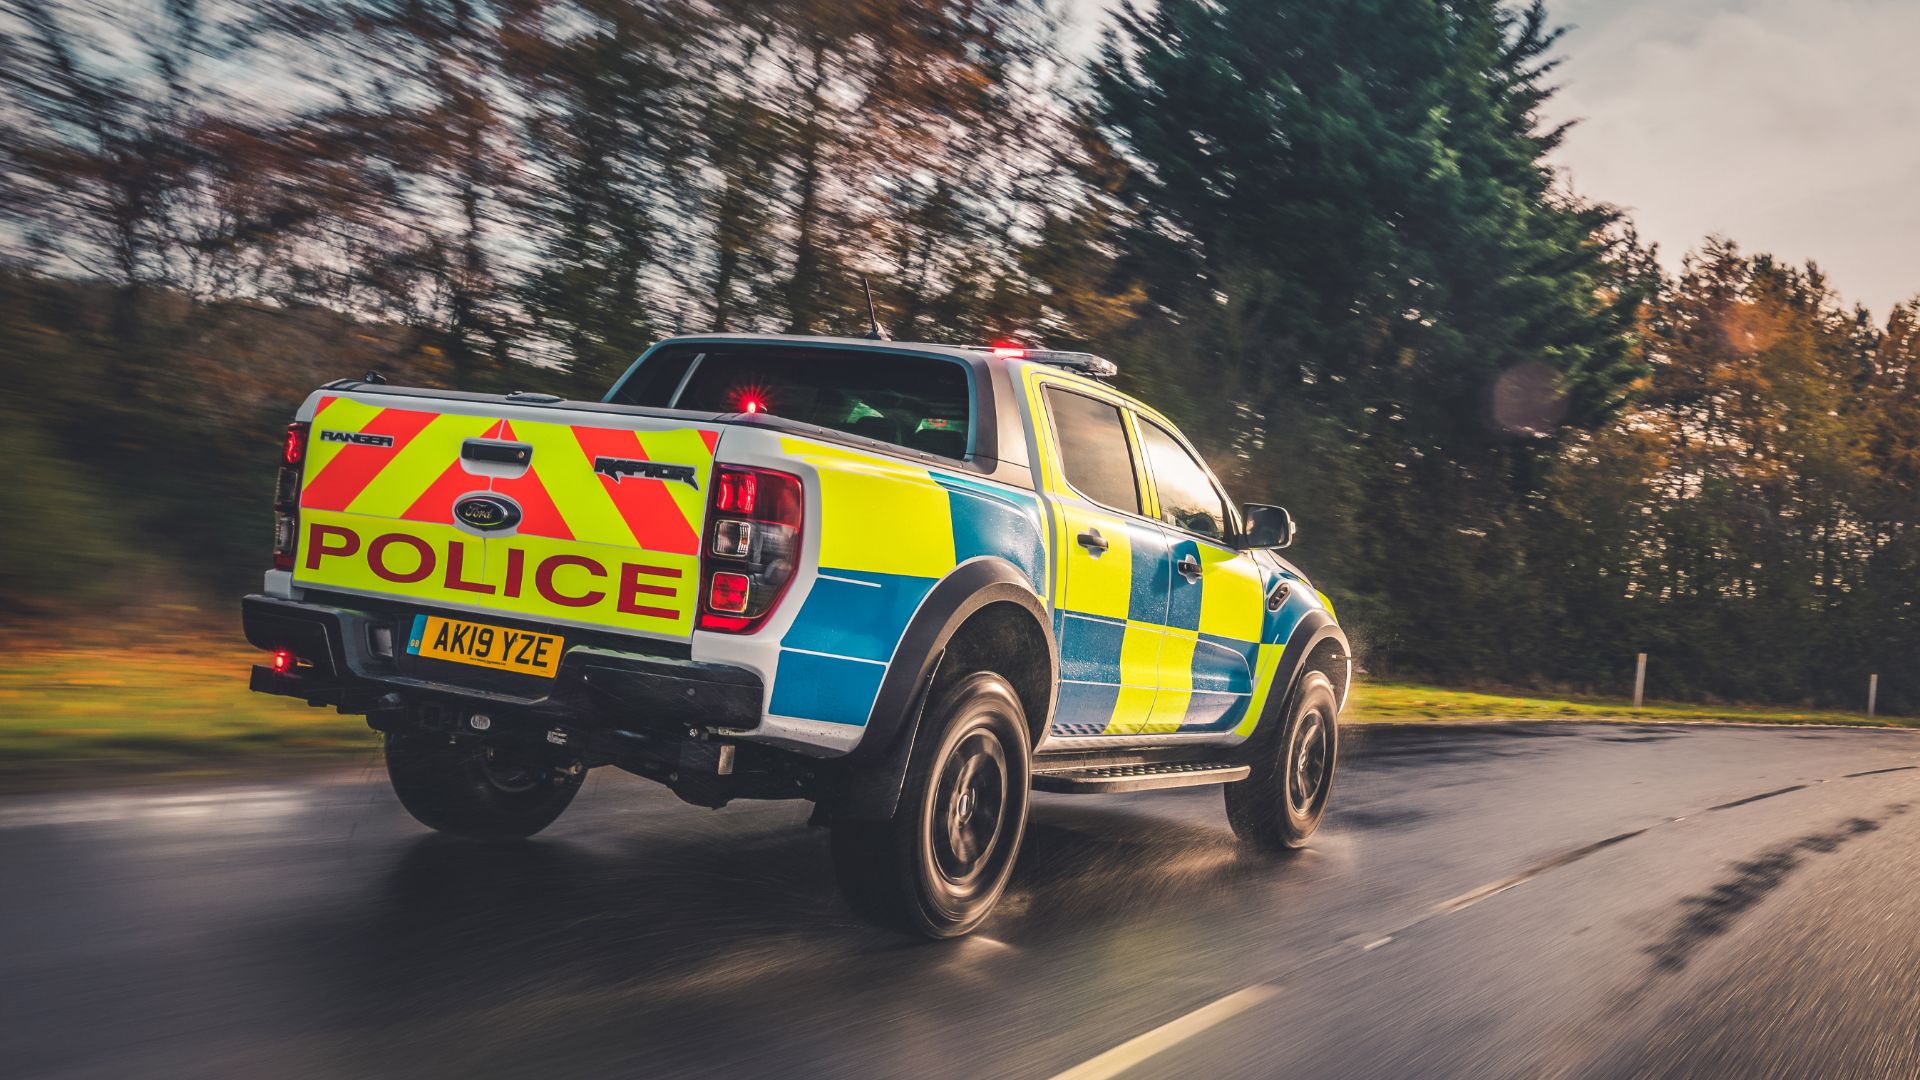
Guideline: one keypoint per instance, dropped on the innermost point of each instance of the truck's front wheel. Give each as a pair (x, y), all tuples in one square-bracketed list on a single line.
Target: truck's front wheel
[(483, 792), (939, 865), (1280, 805)]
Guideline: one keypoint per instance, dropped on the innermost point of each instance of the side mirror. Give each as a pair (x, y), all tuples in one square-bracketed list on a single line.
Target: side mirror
[(1266, 526)]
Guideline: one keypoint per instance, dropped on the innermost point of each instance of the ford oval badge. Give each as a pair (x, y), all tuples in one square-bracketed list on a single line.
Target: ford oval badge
[(487, 512)]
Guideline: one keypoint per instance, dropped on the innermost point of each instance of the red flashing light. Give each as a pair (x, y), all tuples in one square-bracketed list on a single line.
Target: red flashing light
[(751, 398), (1010, 352), (728, 593), (282, 662)]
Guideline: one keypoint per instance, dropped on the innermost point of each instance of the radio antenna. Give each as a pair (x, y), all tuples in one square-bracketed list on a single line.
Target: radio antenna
[(874, 331)]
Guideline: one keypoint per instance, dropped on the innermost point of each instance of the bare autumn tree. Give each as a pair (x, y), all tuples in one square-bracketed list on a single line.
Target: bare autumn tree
[(96, 151)]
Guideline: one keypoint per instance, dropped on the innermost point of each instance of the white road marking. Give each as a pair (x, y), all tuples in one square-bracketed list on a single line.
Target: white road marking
[(1141, 1047), (1372, 945), (94, 809)]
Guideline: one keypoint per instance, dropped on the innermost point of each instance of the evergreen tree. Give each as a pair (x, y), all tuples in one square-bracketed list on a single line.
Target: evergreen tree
[(1342, 210)]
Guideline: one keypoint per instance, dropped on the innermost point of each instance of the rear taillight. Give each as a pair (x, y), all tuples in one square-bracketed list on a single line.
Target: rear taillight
[(286, 497), (751, 548)]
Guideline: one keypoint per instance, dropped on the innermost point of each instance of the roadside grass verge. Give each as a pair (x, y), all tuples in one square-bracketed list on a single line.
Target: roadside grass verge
[(182, 708), (83, 711), (1378, 703)]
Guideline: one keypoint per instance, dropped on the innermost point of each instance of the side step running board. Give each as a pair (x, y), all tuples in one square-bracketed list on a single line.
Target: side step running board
[(1094, 780)]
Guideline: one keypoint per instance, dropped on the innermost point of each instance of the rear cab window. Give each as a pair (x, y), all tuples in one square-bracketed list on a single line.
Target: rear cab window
[(922, 402), (1092, 437)]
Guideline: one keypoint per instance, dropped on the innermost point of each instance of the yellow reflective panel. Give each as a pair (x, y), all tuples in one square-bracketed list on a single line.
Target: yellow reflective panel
[(608, 586), (1232, 602), (1139, 679), (880, 515), (1130, 711), (526, 576), (1176, 682), (1095, 584)]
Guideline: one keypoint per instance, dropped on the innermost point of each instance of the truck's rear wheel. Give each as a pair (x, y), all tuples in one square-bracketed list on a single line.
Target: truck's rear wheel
[(939, 865), (483, 792), (1280, 804)]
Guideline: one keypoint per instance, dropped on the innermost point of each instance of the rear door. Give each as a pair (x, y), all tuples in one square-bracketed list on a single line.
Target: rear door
[(1110, 593), (581, 518), (1216, 605)]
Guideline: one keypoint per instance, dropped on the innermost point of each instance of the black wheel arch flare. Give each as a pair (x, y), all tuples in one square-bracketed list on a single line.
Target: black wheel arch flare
[(877, 766)]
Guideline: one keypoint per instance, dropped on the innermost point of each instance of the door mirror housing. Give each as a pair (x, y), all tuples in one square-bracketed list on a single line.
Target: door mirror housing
[(1266, 526)]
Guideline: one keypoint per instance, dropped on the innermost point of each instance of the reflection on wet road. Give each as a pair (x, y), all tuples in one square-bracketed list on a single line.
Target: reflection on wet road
[(1490, 900)]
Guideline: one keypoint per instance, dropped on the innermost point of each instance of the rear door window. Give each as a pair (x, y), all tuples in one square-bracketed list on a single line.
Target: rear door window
[(920, 402), (1092, 437)]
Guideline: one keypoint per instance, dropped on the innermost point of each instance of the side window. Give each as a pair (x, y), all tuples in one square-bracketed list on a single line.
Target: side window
[(1188, 498), (1093, 449)]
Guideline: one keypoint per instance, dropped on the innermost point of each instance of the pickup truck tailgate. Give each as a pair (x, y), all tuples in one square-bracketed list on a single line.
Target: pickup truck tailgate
[(582, 518)]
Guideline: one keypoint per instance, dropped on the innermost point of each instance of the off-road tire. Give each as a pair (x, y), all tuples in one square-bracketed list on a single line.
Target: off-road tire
[(940, 864), (476, 791), (1280, 804)]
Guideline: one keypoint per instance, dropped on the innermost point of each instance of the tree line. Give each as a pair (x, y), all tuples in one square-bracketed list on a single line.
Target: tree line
[(1325, 236)]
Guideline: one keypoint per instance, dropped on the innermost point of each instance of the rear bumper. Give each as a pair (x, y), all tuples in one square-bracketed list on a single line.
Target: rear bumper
[(354, 658)]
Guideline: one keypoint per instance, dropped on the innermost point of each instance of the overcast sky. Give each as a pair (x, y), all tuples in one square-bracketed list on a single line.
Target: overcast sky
[(1791, 126)]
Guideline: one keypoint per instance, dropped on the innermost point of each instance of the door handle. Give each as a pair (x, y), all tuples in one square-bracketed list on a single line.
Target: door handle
[(1189, 567), (1092, 541), (497, 451)]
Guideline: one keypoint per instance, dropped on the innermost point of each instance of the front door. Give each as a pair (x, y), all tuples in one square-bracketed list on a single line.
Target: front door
[(1216, 606), (1110, 599)]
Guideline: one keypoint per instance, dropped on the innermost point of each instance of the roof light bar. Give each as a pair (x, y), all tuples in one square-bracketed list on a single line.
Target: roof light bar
[(1084, 362)]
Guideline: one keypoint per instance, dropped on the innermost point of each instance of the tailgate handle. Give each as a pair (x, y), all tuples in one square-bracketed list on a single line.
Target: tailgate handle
[(498, 451)]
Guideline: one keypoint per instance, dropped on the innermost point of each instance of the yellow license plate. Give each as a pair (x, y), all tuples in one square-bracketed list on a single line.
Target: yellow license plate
[(485, 646)]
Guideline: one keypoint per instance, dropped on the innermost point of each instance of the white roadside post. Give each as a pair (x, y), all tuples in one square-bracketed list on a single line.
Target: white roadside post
[(1873, 692), (1639, 679)]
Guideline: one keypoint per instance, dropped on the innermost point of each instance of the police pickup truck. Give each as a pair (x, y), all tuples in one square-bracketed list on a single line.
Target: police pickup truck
[(909, 583)]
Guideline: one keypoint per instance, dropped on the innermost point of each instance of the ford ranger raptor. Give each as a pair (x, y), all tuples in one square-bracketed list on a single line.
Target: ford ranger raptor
[(909, 583)]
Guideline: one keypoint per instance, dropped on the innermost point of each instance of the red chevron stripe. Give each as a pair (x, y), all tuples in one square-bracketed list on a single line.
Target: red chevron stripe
[(539, 516), (645, 505), (355, 466), (436, 503)]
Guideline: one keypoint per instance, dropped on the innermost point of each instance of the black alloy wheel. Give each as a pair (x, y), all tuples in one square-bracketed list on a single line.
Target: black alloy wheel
[(1280, 803), (939, 865)]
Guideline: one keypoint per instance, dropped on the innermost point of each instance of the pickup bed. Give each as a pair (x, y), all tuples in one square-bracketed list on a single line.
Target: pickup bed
[(909, 583)]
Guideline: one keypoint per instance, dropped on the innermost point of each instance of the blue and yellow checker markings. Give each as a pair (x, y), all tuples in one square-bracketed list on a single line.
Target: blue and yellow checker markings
[(1185, 664), (1109, 609), (891, 531), (1142, 649)]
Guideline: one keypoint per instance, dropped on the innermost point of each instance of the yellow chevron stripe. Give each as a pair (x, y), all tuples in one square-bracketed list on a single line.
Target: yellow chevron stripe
[(683, 445), (568, 477), (417, 465), (341, 414)]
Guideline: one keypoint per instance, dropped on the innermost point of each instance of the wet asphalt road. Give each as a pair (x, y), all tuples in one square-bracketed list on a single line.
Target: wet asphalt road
[(1507, 900)]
